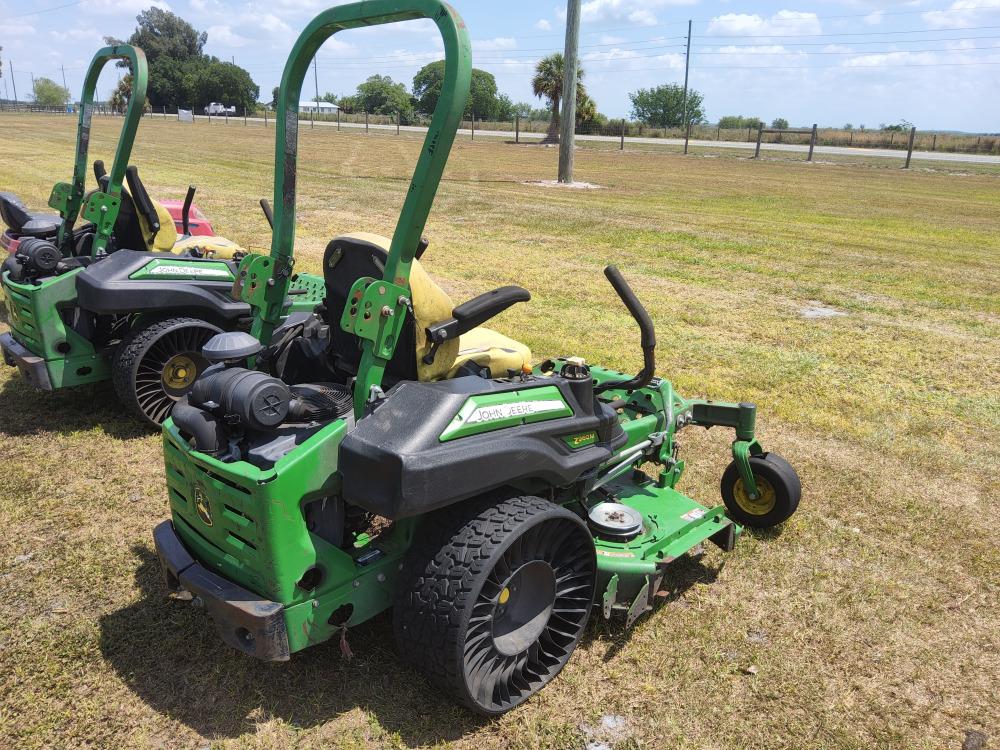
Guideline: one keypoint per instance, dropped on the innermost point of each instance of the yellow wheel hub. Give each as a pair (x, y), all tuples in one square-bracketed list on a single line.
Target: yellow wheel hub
[(765, 501), (179, 372)]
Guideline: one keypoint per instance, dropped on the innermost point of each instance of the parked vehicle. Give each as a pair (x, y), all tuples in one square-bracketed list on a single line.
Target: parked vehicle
[(217, 108)]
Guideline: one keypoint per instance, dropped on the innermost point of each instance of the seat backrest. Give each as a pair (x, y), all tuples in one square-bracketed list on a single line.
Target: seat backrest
[(13, 212), (350, 257)]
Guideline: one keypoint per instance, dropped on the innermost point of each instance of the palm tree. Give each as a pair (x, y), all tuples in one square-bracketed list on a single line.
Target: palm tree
[(547, 83)]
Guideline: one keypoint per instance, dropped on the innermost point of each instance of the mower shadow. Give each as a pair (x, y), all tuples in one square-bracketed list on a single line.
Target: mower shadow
[(27, 411), (682, 574), (169, 653)]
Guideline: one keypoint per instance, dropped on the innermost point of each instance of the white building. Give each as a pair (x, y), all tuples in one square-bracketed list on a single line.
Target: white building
[(318, 107)]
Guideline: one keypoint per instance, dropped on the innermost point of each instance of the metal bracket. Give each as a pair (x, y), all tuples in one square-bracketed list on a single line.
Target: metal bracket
[(610, 596), (376, 311), (60, 196), (640, 605), (742, 450), (102, 210)]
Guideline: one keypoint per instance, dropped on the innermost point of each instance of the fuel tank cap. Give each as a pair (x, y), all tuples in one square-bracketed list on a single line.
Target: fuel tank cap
[(615, 521)]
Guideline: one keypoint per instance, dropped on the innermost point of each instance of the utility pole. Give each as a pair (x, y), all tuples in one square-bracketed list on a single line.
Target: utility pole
[(568, 123), (13, 81), (687, 66), (63, 69), (316, 81)]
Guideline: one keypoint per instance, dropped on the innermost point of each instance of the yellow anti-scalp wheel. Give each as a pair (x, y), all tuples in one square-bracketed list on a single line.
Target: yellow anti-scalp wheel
[(778, 492)]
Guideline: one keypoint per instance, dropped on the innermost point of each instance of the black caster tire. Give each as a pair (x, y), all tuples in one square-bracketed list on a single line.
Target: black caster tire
[(157, 363), (779, 487), (494, 597)]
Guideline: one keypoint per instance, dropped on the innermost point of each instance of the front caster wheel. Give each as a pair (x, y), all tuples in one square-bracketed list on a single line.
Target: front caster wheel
[(778, 489), (494, 598)]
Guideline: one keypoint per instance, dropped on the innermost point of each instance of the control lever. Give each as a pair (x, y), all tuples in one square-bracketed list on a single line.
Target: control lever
[(186, 210), (268, 214), (648, 340), (101, 175)]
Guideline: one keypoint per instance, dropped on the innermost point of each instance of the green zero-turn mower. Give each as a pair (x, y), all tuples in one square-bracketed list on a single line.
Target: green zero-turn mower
[(121, 296), (390, 453)]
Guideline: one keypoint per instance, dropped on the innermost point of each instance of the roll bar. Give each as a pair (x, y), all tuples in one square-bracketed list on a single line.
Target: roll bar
[(426, 175), (103, 207)]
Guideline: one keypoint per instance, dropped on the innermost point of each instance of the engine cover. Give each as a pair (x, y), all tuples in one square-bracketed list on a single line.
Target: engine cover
[(428, 445)]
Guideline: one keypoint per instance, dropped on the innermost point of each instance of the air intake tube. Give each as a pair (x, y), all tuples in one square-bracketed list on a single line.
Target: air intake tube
[(208, 433)]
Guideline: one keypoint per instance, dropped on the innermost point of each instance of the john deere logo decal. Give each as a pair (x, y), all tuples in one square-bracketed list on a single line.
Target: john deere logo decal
[(201, 505)]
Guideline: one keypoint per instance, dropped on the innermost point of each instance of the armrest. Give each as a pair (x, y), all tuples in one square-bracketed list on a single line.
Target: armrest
[(475, 312)]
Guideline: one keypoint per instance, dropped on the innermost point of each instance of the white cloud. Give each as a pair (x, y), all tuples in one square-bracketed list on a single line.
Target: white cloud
[(638, 12), (225, 36), (491, 45), (961, 13), (874, 18), (611, 39), (270, 22), (782, 23), (76, 35), (120, 7), (16, 28), (543, 24)]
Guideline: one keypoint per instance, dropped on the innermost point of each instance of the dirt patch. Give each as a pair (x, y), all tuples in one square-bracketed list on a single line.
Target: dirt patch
[(566, 185)]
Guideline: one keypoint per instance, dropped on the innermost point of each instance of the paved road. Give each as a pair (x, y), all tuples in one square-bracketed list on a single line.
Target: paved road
[(828, 150)]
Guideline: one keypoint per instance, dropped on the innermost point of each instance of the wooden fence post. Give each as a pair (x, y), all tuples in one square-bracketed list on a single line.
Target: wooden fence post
[(909, 147), (473, 124), (265, 117), (760, 134), (622, 146), (517, 128), (397, 123), (244, 115), (934, 142), (812, 143), (366, 122), (338, 118)]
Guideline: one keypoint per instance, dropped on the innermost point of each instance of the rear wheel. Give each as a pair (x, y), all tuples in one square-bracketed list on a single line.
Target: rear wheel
[(494, 598), (778, 492), (157, 363)]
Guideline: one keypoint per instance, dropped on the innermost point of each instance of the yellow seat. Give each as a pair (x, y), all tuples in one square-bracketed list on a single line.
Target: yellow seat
[(488, 348), (431, 304), (167, 240)]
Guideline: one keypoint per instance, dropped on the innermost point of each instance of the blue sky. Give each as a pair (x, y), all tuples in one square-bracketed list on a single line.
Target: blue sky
[(935, 63)]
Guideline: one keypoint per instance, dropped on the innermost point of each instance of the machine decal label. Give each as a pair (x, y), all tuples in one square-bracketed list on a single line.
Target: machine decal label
[(694, 514), (495, 411), (215, 273), (515, 409), (581, 441), (201, 505)]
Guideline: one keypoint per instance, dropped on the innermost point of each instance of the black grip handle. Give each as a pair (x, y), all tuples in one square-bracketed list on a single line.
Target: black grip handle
[(186, 210), (648, 340), (99, 170), (268, 214), (634, 306)]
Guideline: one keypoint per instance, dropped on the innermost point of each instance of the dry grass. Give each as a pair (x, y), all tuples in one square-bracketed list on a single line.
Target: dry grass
[(871, 620)]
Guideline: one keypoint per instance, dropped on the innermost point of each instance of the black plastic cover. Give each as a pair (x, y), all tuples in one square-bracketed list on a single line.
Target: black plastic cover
[(393, 463), (105, 288)]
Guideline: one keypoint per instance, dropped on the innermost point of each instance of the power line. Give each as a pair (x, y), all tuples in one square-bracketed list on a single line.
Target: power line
[(846, 33), (46, 10)]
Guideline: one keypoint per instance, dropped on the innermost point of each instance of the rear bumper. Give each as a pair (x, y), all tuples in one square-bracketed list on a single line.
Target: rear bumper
[(244, 620), (32, 367)]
